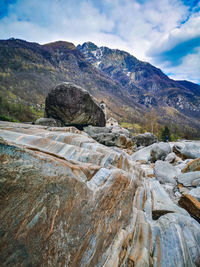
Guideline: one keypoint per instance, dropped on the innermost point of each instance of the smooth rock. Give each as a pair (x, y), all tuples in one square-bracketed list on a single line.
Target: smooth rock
[(187, 150), (72, 105), (67, 200), (195, 193), (48, 122), (142, 154), (191, 204), (165, 172), (193, 165), (189, 178), (159, 151), (171, 157), (144, 140)]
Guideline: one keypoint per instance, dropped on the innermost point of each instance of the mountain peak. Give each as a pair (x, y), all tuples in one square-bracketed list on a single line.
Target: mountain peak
[(60, 44)]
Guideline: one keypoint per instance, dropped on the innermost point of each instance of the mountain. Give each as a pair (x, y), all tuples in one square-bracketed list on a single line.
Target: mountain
[(28, 71), (146, 84), (129, 87)]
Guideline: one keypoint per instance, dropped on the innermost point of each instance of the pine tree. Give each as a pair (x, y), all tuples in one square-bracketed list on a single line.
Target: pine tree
[(165, 135)]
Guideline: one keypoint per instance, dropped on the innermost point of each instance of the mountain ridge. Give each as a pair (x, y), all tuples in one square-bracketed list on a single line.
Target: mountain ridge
[(28, 71)]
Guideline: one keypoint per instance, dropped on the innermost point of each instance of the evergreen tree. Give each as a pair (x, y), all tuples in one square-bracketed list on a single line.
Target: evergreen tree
[(165, 135)]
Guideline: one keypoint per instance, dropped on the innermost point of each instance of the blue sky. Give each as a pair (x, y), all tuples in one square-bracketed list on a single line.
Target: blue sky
[(165, 33)]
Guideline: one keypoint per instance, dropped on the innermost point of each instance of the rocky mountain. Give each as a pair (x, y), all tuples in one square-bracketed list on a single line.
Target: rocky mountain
[(146, 84), (128, 86), (28, 71)]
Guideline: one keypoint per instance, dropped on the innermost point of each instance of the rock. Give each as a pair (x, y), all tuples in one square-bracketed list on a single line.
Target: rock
[(159, 151), (171, 157), (193, 165), (165, 172), (188, 150), (142, 154), (191, 204), (48, 122), (68, 200), (110, 136), (72, 105), (195, 192), (144, 140), (189, 178)]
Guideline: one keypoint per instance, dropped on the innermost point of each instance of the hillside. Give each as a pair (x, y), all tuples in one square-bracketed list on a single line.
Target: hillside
[(130, 88), (28, 71), (147, 84)]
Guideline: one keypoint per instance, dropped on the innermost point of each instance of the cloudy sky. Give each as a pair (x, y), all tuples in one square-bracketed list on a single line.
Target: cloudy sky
[(165, 33)]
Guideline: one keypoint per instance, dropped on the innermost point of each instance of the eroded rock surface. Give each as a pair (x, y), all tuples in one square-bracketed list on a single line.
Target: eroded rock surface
[(67, 200)]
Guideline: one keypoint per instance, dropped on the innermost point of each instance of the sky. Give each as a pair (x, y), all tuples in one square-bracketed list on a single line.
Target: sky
[(165, 33)]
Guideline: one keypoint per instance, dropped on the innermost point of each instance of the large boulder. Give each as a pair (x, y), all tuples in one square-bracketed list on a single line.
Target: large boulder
[(72, 105), (110, 136), (145, 139), (159, 151)]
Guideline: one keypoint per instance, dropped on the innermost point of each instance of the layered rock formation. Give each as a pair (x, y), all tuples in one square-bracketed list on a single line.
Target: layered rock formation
[(67, 200), (72, 105)]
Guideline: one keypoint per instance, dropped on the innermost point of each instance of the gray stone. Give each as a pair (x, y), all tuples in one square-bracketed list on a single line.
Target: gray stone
[(159, 151), (110, 136), (144, 140), (171, 157), (48, 122), (189, 178), (142, 154), (189, 150), (72, 105), (165, 172), (195, 193)]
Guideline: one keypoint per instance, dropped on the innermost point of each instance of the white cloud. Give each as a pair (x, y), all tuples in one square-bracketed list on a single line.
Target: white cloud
[(146, 29)]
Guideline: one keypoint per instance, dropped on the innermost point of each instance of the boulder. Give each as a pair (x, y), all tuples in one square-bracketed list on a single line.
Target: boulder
[(195, 192), (171, 157), (48, 122), (72, 105), (192, 165), (142, 154), (191, 204), (144, 140), (188, 150), (165, 172), (110, 136), (189, 178), (159, 151)]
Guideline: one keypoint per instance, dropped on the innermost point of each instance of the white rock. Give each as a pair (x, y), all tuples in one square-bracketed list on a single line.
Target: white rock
[(195, 193), (165, 172)]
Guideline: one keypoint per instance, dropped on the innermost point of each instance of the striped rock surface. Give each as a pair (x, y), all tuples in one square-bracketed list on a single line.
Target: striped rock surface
[(68, 201)]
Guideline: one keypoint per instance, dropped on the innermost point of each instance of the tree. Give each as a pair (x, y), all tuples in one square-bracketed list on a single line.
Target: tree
[(151, 121), (165, 134)]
